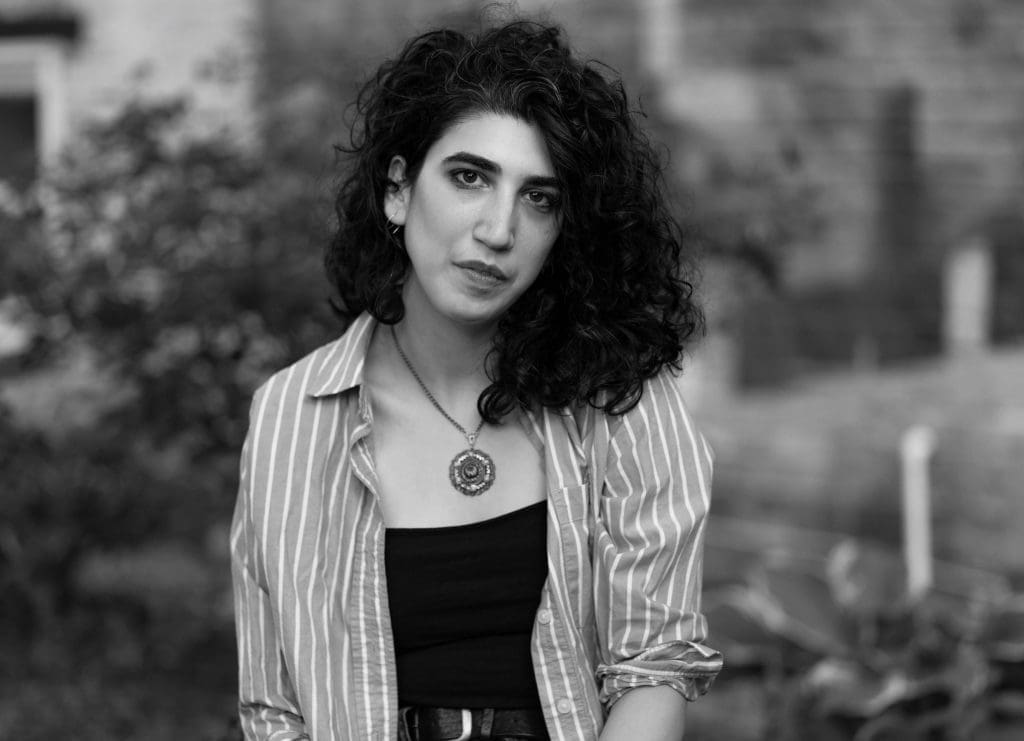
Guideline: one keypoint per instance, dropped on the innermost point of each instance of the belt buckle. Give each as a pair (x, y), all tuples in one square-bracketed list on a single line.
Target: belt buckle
[(467, 725)]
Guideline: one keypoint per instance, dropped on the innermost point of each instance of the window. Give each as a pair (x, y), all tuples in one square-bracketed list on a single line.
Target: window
[(33, 93), (19, 146)]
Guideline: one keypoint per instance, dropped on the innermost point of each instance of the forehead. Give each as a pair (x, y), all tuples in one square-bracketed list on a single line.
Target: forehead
[(516, 146)]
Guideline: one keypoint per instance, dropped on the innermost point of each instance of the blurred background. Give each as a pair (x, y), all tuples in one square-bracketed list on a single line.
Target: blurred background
[(853, 172)]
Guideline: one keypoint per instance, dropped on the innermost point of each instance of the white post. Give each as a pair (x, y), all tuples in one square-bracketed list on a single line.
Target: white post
[(968, 289), (916, 448)]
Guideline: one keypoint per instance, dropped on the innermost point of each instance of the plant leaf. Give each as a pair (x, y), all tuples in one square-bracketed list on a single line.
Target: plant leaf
[(867, 580), (798, 605), (1003, 635)]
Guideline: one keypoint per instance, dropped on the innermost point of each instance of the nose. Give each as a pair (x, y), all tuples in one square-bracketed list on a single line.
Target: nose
[(496, 223)]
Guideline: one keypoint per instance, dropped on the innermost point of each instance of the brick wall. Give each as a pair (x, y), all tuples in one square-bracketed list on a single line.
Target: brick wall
[(817, 74), (905, 124)]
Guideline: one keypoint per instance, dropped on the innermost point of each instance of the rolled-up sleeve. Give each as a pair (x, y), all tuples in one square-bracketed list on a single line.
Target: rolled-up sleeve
[(268, 707), (648, 550)]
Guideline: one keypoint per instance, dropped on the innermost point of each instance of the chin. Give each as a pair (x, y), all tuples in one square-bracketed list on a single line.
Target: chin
[(476, 316), (477, 319), (469, 310)]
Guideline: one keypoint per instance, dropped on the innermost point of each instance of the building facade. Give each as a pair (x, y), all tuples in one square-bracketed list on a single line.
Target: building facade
[(64, 63)]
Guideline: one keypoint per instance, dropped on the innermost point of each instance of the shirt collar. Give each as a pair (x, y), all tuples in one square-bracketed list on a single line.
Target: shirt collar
[(341, 364)]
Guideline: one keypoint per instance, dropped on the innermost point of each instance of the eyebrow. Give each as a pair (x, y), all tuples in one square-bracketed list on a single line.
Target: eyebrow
[(493, 167)]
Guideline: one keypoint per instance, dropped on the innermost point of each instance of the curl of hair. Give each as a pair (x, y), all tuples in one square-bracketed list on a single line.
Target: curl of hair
[(613, 304)]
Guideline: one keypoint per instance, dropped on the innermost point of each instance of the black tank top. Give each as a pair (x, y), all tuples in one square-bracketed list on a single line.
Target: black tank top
[(462, 602)]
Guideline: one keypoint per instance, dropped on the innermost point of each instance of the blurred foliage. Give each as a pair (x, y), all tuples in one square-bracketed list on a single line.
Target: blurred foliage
[(852, 656), (187, 265), (179, 271)]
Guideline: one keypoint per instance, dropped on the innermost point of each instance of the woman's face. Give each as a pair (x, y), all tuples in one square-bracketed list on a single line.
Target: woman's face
[(480, 219)]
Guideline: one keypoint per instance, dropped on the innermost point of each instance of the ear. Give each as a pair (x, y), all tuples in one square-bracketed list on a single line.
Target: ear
[(396, 198)]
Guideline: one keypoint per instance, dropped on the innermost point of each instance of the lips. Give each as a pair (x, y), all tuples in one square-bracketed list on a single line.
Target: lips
[(491, 272)]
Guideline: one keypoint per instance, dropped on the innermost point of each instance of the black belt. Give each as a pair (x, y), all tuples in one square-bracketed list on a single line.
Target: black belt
[(454, 724)]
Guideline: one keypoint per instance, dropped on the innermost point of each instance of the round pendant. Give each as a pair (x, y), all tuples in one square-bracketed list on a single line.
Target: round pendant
[(471, 472)]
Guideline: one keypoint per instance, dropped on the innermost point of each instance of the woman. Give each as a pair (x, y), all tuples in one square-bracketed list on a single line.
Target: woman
[(480, 513)]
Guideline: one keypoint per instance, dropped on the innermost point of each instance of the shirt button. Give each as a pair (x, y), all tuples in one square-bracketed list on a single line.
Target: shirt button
[(544, 617), (563, 706)]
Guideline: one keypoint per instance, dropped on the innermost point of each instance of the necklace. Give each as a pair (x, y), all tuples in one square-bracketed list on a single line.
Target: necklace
[(471, 471)]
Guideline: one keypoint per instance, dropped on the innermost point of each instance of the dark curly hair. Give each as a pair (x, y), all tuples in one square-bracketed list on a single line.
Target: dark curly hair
[(613, 303)]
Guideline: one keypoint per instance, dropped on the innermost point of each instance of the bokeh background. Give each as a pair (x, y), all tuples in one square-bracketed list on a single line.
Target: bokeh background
[(853, 172)]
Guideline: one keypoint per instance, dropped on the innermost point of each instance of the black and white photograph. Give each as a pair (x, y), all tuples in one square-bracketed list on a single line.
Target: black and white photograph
[(566, 370)]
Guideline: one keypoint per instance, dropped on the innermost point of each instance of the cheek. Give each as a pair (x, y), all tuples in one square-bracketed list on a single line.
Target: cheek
[(440, 219), (546, 246)]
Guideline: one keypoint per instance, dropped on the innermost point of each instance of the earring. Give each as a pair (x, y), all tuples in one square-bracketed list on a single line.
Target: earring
[(394, 232)]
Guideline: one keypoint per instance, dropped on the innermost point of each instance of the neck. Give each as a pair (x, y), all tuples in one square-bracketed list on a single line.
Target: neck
[(449, 359)]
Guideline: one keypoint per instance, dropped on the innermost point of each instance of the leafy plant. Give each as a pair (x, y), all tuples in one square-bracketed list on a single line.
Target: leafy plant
[(188, 265), (859, 659), (170, 272)]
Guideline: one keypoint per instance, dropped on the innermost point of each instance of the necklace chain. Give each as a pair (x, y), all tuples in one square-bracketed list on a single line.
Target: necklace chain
[(470, 436)]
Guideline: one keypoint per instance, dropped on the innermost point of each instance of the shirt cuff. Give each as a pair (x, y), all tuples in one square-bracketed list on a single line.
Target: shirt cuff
[(687, 667)]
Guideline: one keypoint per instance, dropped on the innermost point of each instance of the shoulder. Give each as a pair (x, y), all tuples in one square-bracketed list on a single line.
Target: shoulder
[(295, 414), (292, 384), (661, 406), (327, 371), (658, 438)]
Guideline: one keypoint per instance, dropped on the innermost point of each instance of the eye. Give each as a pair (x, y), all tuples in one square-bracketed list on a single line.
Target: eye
[(467, 178), (541, 199)]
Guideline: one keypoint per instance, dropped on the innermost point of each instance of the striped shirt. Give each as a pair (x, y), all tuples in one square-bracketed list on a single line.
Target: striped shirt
[(627, 500)]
